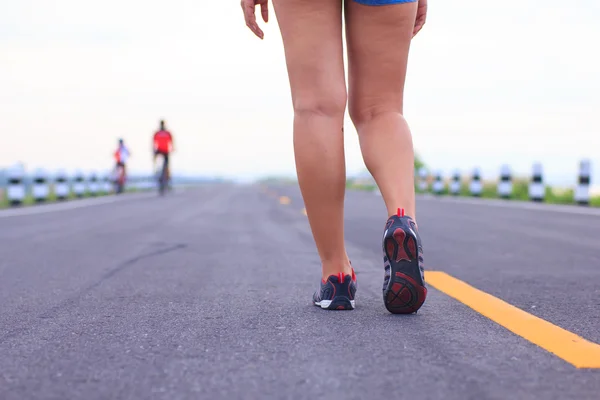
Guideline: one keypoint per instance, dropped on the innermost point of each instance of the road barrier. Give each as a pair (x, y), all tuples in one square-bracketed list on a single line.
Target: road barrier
[(582, 191), (16, 186), (476, 186), (534, 189), (438, 184), (93, 187), (40, 186), (537, 191), (40, 189), (455, 183), (62, 189), (105, 184), (79, 184), (505, 187)]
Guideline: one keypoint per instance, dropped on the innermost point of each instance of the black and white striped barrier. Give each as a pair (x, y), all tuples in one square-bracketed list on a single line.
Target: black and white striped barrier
[(15, 191), (505, 187), (438, 184), (423, 186), (62, 190), (455, 183), (93, 186), (476, 186), (40, 188), (79, 184), (537, 191), (105, 184), (582, 191)]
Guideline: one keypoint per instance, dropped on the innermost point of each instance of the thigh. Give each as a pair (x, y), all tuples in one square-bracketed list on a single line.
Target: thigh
[(312, 37), (378, 40)]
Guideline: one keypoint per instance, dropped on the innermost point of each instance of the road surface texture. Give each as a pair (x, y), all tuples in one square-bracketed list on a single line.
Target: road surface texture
[(205, 294)]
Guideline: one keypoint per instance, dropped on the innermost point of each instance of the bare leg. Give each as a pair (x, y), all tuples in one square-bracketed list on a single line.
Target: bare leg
[(312, 37), (378, 45)]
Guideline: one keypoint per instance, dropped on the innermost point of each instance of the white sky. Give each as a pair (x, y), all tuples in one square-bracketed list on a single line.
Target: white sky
[(488, 83)]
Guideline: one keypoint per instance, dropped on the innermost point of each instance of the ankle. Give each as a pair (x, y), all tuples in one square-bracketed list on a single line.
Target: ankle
[(335, 267), (402, 212)]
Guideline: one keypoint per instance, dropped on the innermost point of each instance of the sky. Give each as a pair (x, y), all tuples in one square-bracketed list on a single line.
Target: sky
[(488, 83)]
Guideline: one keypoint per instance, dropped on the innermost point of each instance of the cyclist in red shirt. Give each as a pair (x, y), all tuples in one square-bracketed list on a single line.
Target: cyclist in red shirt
[(163, 145)]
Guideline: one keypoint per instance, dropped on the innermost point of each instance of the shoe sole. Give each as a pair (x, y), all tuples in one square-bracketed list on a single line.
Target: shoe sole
[(338, 303), (404, 293)]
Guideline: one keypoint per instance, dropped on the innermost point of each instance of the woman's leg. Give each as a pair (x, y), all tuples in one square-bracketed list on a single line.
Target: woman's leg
[(378, 45), (312, 38)]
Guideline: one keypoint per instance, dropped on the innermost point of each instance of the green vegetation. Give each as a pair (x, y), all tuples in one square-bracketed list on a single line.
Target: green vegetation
[(555, 196), (418, 162), (520, 189)]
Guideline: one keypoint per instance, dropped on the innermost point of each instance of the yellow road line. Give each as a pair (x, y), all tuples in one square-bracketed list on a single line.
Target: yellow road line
[(304, 211), (564, 344), (284, 200)]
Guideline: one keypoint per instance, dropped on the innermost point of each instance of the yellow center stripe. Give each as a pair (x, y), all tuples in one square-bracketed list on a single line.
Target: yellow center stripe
[(572, 348)]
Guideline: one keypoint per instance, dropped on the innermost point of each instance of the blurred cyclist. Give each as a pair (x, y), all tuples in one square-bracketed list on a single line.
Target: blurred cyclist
[(121, 157), (163, 145)]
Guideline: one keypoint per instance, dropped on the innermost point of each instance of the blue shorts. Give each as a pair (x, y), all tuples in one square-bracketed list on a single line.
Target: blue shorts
[(383, 2)]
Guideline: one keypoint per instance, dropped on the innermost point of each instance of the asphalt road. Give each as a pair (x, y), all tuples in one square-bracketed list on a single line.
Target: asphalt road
[(205, 294)]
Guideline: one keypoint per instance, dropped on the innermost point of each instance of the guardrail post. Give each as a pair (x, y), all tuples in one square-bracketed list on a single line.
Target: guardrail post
[(438, 183), (79, 184), (476, 186), (40, 189), (61, 186), (105, 186), (582, 191), (537, 191), (505, 187), (15, 191), (93, 184), (455, 183)]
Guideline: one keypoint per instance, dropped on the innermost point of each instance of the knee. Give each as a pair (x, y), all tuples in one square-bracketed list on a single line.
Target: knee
[(331, 104), (361, 113)]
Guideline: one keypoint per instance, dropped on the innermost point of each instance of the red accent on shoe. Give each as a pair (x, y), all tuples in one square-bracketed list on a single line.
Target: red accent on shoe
[(400, 237), (401, 212)]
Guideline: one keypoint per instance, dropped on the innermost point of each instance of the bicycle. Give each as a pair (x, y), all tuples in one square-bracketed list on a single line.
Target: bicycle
[(162, 178), (120, 179)]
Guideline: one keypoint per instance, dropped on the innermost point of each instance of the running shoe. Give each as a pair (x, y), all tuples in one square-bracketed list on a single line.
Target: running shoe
[(404, 290), (336, 293)]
